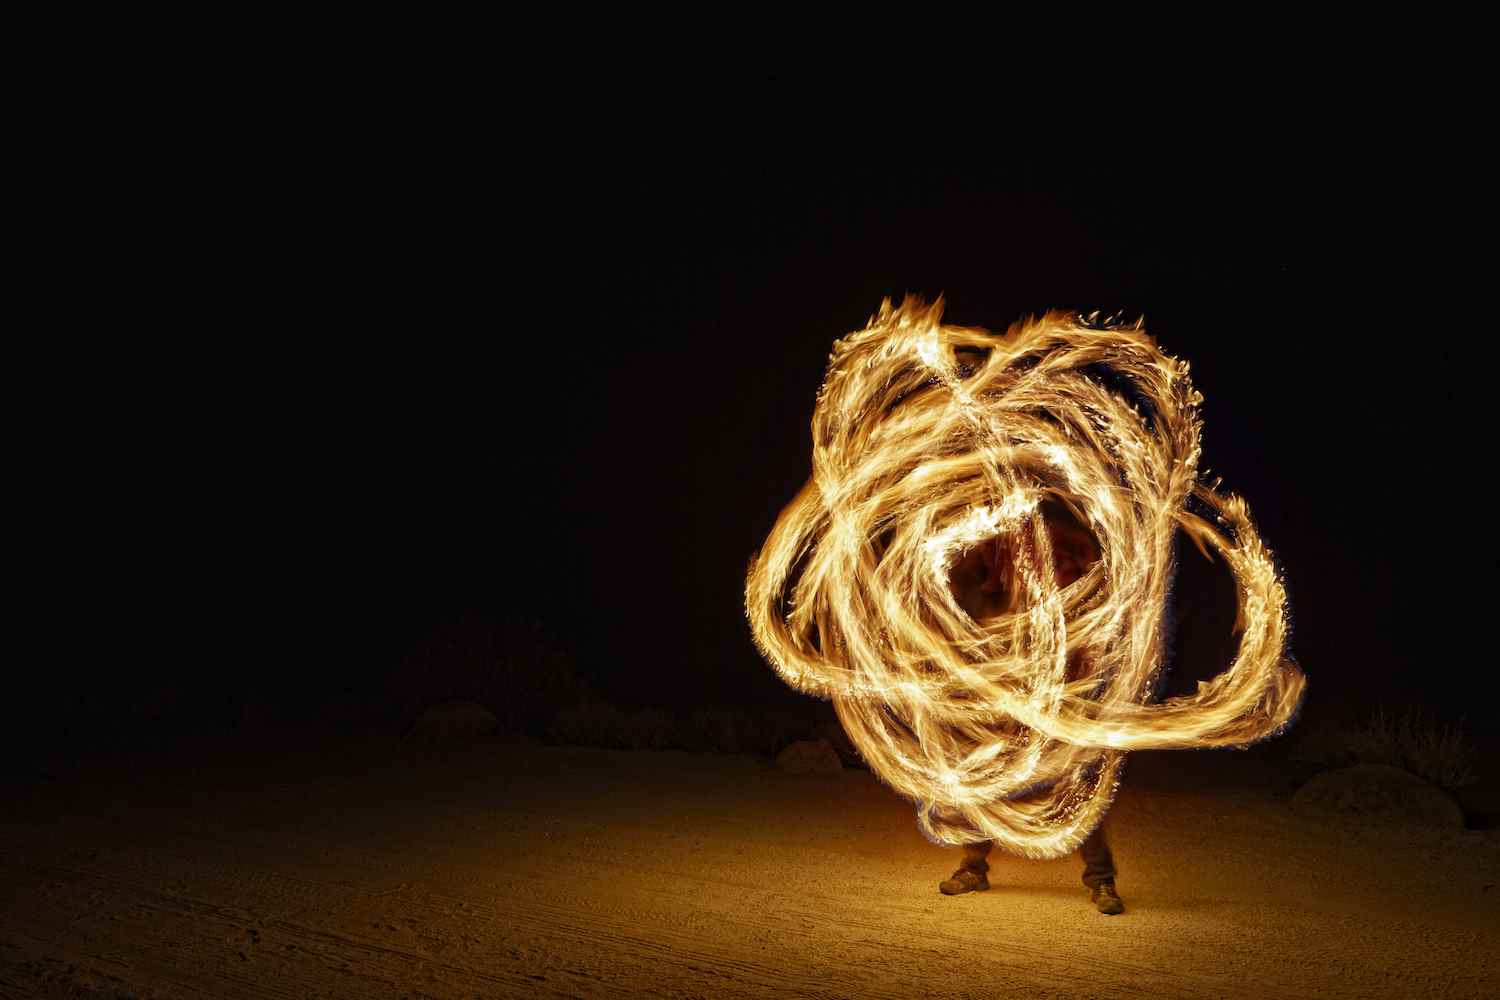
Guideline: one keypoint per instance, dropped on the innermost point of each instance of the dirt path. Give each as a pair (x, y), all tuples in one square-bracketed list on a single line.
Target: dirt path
[(540, 872)]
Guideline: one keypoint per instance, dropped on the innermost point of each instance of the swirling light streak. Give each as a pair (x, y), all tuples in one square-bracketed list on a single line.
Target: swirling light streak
[(929, 440)]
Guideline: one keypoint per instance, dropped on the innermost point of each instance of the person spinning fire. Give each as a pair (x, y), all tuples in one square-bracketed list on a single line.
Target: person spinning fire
[(984, 584)]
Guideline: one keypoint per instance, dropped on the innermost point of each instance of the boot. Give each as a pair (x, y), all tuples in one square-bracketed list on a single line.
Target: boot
[(1106, 900), (964, 880)]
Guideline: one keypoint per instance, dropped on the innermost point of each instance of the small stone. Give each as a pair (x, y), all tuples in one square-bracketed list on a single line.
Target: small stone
[(809, 757)]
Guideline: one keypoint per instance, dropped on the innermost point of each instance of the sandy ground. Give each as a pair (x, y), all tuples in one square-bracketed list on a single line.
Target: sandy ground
[(500, 871)]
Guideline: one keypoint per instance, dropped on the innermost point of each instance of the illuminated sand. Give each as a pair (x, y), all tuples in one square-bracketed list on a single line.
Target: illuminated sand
[(556, 872)]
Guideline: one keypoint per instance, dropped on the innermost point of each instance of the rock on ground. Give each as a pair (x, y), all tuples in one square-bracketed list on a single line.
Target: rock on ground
[(809, 757), (1381, 793)]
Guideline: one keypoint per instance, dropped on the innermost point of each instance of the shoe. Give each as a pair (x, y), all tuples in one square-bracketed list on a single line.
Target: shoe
[(1106, 900), (964, 880)]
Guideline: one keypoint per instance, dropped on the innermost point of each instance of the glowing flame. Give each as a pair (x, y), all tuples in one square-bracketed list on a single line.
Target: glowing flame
[(929, 440)]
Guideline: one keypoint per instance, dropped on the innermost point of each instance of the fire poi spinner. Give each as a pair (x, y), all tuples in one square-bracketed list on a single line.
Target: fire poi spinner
[(929, 440)]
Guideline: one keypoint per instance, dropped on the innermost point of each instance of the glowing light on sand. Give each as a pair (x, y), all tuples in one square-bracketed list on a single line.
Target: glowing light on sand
[(930, 439)]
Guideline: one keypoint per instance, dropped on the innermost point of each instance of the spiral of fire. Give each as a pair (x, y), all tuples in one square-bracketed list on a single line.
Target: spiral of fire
[(929, 440)]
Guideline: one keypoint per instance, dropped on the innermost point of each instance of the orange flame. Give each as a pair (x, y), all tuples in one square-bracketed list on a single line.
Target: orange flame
[(929, 440)]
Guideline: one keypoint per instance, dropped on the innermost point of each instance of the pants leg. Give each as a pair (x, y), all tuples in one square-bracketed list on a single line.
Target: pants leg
[(1098, 862), (975, 854)]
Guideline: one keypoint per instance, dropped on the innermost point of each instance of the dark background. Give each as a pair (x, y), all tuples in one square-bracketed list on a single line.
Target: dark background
[(358, 391)]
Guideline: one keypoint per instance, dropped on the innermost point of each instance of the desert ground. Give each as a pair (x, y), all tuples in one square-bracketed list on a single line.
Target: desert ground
[(365, 869)]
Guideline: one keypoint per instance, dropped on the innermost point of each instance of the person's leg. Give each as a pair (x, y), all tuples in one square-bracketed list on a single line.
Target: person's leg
[(1098, 862), (975, 855), (1099, 872), (971, 874)]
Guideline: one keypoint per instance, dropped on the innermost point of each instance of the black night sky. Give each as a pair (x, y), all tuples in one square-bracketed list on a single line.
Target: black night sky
[(579, 391)]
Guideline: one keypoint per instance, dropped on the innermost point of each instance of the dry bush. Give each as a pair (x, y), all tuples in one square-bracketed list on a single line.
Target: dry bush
[(355, 709), (649, 729), (691, 732), (777, 728), (590, 723), (727, 730), (512, 666), (723, 729), (452, 722), (1435, 751)]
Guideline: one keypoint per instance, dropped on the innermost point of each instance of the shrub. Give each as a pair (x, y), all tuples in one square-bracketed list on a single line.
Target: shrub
[(591, 723), (1434, 751), (650, 729), (726, 730), (777, 728), (512, 666)]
